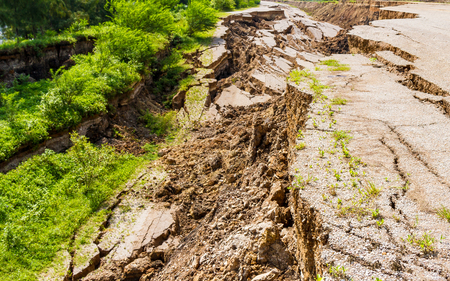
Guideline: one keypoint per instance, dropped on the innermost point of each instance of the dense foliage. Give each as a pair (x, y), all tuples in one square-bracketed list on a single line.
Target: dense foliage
[(48, 197), (45, 200), (30, 19)]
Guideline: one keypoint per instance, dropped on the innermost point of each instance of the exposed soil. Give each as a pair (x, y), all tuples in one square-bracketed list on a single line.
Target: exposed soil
[(278, 182)]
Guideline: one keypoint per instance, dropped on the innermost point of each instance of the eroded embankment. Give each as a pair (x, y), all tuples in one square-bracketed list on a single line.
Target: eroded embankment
[(38, 62), (346, 15), (218, 206)]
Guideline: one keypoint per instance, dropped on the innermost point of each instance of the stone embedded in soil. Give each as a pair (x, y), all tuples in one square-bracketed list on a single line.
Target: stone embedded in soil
[(137, 268), (151, 228), (269, 276)]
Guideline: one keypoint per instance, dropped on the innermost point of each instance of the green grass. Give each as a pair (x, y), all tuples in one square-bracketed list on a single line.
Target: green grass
[(339, 101), (48, 197), (426, 243), (306, 76), (444, 213), (335, 65), (160, 124)]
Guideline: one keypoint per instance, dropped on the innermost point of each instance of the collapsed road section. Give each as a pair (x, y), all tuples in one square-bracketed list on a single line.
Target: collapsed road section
[(337, 172)]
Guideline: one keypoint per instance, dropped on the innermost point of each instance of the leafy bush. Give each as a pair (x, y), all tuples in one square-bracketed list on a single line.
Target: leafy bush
[(160, 124), (200, 16), (148, 15), (129, 45), (46, 198), (84, 89), (223, 5)]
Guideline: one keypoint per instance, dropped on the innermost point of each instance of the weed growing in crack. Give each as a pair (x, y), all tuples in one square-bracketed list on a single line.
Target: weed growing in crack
[(339, 101), (300, 134), (444, 213), (300, 182), (426, 243)]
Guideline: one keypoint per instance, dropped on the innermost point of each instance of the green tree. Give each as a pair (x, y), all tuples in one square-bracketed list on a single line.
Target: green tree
[(200, 16), (223, 5), (147, 15)]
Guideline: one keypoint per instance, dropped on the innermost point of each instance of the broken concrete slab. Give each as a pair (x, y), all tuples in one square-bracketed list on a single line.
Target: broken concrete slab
[(288, 53), (268, 42), (235, 97), (150, 228), (427, 97), (84, 261), (314, 33), (282, 26), (265, 33), (314, 58), (392, 60), (328, 30), (59, 269), (304, 64), (271, 83), (283, 64)]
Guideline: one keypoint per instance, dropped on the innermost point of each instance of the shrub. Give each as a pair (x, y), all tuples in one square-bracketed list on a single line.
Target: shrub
[(200, 16), (129, 45), (160, 124), (148, 15), (223, 5), (84, 89)]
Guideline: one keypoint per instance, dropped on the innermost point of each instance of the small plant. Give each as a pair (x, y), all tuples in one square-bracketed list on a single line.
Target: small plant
[(300, 146), (444, 213), (342, 135), (353, 173), (319, 278), (321, 152), (339, 101), (300, 134), (426, 242), (375, 213), (317, 68), (324, 197), (373, 60), (335, 65), (380, 223), (337, 175), (345, 150), (372, 190), (337, 271)]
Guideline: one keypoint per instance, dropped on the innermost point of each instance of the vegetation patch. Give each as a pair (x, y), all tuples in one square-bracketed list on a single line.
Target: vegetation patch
[(48, 197), (335, 65)]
